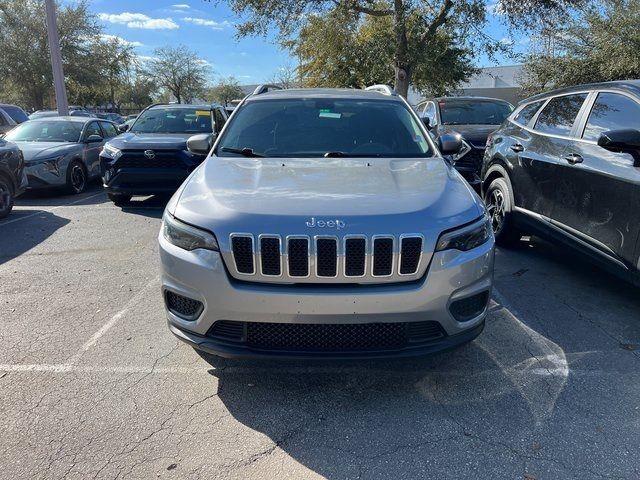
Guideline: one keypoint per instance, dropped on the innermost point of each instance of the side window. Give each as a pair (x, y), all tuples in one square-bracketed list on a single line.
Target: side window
[(109, 129), (611, 111), (2, 119), (92, 129), (524, 116), (219, 119), (558, 115)]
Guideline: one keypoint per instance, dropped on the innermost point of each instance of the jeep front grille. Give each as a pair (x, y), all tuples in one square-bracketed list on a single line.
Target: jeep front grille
[(326, 258)]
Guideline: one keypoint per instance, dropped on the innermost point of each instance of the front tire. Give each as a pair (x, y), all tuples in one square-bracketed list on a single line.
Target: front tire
[(6, 197), (499, 202), (119, 199), (76, 178)]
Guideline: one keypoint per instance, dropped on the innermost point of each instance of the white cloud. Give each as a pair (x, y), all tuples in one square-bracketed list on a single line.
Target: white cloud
[(243, 54), (244, 76), (139, 20), (208, 23), (105, 36), (181, 6)]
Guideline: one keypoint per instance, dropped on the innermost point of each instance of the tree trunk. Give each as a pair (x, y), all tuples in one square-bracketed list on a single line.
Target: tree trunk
[(402, 64)]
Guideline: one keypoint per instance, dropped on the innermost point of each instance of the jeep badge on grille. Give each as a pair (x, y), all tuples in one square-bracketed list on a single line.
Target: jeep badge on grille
[(337, 224)]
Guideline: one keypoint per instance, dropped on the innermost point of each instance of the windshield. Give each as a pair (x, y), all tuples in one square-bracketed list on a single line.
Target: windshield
[(323, 127), (46, 131), (473, 112), (173, 120)]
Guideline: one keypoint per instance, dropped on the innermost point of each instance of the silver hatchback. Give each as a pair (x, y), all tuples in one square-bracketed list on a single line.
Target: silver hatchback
[(325, 223)]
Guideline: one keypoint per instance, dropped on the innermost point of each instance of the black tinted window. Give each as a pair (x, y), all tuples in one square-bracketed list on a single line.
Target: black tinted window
[(92, 129), (558, 115), (474, 112), (611, 111), (173, 120), (314, 127), (109, 129), (525, 115), (219, 119), (16, 113)]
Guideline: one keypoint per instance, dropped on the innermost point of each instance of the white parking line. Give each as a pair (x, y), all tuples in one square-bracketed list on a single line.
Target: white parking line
[(40, 212), (112, 321), (65, 367)]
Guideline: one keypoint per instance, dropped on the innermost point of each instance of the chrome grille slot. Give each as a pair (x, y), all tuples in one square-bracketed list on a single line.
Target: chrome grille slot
[(270, 256), (326, 257), (298, 257), (355, 257), (382, 256), (242, 248), (410, 254)]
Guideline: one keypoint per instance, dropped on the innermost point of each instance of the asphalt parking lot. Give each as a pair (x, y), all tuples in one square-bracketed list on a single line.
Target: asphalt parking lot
[(92, 384)]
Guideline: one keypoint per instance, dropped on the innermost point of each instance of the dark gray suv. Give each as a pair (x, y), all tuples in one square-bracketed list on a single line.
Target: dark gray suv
[(566, 165)]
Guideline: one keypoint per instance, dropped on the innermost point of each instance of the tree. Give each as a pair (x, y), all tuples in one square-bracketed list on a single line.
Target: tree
[(341, 50), (286, 76), (599, 44), (25, 68), (180, 71), (415, 25), (226, 90)]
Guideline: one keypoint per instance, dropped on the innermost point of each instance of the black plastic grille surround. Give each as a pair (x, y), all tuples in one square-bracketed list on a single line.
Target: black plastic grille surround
[(470, 307), (410, 252), (355, 257), (270, 255), (298, 253), (327, 257), (242, 248), (326, 337), (181, 305), (382, 256)]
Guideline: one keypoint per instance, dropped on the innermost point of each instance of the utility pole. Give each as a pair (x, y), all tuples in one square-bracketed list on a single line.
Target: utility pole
[(56, 59)]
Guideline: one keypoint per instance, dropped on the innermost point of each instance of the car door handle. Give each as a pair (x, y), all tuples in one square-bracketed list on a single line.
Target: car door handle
[(574, 158), (516, 147)]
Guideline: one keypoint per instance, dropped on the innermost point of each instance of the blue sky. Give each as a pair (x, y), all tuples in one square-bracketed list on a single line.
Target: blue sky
[(208, 29)]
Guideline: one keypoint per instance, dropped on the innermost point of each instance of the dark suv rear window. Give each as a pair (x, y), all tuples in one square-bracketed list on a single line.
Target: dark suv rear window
[(558, 115), (313, 127), (473, 112)]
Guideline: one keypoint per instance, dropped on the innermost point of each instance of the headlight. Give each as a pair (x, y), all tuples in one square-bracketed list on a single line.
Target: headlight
[(466, 238), (185, 236), (112, 152)]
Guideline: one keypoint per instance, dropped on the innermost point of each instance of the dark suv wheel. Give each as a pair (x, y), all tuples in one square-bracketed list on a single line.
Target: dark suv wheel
[(499, 201), (6, 197)]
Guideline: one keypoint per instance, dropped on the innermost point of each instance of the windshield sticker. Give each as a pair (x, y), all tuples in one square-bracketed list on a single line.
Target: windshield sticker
[(202, 113), (325, 113)]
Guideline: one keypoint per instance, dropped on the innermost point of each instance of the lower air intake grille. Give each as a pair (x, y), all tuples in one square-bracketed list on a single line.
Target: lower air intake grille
[(470, 307), (326, 337), (182, 306)]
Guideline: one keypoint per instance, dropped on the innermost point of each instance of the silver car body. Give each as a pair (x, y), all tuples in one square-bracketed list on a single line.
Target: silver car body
[(336, 198), (46, 163)]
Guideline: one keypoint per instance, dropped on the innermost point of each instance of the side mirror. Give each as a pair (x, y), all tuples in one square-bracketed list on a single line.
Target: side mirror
[(427, 122), (627, 141), (200, 144), (122, 128), (450, 143), (94, 139)]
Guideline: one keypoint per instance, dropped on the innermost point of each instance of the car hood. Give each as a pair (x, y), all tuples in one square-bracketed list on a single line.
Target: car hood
[(40, 150), (158, 141), (476, 135), (275, 195)]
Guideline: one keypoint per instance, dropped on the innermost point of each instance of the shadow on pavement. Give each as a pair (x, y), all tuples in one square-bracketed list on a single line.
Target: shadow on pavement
[(53, 197), (148, 206), (19, 237)]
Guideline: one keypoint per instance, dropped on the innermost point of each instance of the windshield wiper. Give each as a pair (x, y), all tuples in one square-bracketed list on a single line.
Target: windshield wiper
[(246, 152)]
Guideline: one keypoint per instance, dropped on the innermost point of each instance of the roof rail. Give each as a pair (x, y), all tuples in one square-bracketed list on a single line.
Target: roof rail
[(380, 88), (264, 88)]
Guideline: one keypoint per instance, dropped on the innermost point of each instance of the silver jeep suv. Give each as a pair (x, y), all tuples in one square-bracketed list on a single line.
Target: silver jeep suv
[(325, 223)]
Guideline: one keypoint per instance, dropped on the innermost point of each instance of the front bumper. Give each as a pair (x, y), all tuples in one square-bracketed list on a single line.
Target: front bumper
[(201, 275)]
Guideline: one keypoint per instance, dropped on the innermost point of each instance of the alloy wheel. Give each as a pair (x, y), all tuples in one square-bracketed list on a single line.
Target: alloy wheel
[(5, 198), (78, 178), (495, 207)]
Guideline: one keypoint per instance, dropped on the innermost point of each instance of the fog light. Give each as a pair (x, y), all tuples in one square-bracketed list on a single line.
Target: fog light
[(469, 307)]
